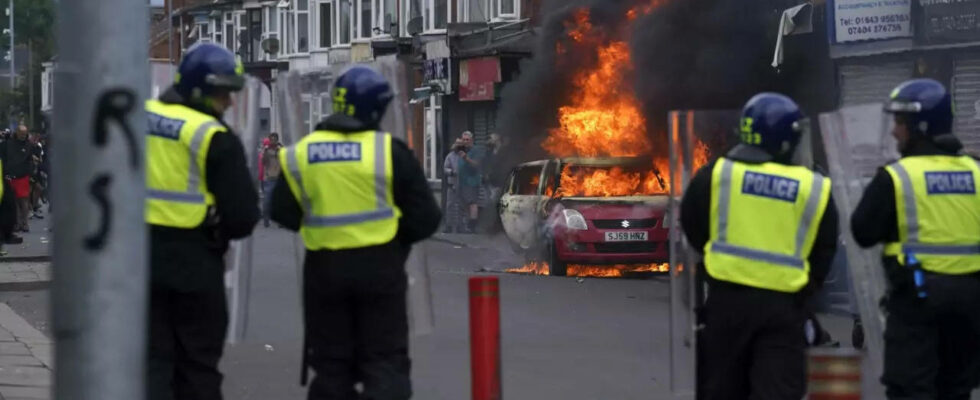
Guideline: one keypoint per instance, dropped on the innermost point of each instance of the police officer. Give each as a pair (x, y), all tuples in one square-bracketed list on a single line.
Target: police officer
[(199, 196), (926, 210), (768, 231), (359, 199)]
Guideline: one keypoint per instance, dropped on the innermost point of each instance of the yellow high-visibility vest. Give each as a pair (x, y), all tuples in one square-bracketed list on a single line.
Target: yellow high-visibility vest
[(177, 144), (344, 183), (764, 221), (938, 210)]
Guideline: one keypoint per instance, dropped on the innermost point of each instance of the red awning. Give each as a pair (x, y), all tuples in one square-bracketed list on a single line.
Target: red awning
[(477, 77)]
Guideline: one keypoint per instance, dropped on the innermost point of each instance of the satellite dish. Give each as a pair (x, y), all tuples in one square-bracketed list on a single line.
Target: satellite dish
[(414, 26), (270, 46)]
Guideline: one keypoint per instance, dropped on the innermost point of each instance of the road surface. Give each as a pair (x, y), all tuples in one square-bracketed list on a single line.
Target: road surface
[(562, 338)]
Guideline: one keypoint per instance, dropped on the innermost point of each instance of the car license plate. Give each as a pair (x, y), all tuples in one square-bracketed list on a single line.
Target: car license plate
[(626, 236)]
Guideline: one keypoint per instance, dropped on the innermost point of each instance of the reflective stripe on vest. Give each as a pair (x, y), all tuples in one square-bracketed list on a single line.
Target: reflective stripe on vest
[(721, 245), (344, 183), (193, 193), (951, 258), (178, 139), (752, 265), (380, 191)]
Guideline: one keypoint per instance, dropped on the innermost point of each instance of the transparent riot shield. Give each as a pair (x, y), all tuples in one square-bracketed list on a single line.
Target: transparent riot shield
[(303, 99), (243, 118), (857, 144), (695, 138)]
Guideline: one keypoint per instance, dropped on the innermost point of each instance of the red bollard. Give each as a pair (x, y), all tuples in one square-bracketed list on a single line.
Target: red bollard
[(835, 374), (485, 337)]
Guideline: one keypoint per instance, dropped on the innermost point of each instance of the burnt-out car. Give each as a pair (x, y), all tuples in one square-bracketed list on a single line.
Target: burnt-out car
[(594, 211)]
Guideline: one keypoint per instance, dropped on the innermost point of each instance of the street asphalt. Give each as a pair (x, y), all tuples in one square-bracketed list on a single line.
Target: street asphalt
[(562, 338)]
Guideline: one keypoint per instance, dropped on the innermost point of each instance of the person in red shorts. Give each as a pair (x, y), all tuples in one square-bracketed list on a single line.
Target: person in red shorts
[(17, 155)]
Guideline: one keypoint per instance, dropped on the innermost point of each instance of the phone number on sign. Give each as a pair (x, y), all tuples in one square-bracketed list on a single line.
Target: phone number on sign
[(874, 19), (857, 30)]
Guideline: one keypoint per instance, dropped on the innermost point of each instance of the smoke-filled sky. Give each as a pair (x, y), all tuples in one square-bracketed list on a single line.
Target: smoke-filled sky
[(701, 54)]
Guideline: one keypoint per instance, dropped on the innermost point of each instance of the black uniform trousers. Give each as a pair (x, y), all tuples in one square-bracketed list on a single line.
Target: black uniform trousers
[(8, 212), (752, 345), (932, 345), (357, 323), (188, 321)]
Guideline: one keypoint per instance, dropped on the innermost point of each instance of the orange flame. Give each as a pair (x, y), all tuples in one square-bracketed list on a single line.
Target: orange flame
[(601, 121), (600, 271), (606, 183), (531, 268), (603, 117)]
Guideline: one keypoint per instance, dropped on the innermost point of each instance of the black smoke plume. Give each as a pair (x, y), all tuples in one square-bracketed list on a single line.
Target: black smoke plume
[(687, 54)]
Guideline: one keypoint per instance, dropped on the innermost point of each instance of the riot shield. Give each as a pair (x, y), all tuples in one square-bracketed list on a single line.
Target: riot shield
[(695, 139), (303, 99), (857, 144), (243, 118)]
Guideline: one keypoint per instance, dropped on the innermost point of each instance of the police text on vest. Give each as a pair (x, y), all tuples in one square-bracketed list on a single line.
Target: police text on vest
[(950, 183), (333, 151), (164, 127), (771, 186)]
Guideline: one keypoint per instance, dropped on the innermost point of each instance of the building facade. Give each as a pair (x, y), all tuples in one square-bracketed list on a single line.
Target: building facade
[(877, 45), (455, 54)]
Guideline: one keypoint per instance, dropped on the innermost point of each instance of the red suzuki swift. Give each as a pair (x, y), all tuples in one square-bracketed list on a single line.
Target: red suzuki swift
[(596, 211)]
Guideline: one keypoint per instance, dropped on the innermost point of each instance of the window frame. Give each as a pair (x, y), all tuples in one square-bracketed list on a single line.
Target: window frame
[(217, 31), (270, 16), (230, 20), (339, 39), (498, 12), (296, 14), (465, 11), (241, 26), (358, 18), (285, 44), (331, 26), (253, 49), (378, 18), (527, 171), (201, 26), (429, 14)]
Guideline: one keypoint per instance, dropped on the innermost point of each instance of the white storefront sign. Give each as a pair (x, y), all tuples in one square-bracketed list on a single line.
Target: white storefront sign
[(856, 20)]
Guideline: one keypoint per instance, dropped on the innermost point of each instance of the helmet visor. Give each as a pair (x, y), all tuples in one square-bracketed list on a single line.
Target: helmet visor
[(900, 106), (233, 83), (802, 127)]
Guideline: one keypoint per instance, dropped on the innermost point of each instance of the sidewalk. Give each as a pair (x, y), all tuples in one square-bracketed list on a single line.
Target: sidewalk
[(26, 354), (26, 359), (36, 246), (27, 265)]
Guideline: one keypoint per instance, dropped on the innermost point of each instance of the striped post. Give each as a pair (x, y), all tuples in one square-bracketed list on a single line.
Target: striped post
[(834, 374)]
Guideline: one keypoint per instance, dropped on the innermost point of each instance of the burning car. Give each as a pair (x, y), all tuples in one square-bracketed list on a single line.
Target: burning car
[(588, 211)]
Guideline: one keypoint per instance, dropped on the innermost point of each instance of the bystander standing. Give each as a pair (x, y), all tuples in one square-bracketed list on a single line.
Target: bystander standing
[(270, 173), (18, 156), (471, 179), (453, 207)]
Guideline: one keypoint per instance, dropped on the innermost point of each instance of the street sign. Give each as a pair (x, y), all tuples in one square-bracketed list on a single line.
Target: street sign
[(436, 69)]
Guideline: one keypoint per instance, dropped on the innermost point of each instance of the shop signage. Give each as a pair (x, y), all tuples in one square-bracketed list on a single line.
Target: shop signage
[(477, 77), (860, 20), (946, 21), (436, 69)]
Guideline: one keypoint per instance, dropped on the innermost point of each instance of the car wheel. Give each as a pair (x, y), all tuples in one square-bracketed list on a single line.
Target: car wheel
[(556, 267)]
